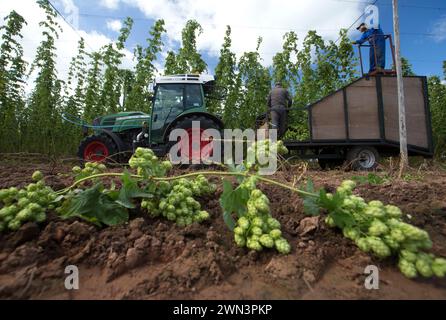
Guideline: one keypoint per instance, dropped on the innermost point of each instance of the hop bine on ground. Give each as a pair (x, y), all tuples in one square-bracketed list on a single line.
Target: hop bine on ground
[(173, 200), (258, 229), (255, 228), (380, 229), (25, 205)]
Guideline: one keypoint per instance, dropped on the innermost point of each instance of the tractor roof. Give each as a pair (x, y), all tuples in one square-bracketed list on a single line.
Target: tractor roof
[(185, 78)]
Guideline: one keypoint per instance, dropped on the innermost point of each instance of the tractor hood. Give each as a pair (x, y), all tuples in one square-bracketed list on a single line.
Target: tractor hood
[(123, 121)]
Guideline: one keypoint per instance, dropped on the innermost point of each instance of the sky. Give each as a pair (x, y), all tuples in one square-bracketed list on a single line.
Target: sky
[(422, 25)]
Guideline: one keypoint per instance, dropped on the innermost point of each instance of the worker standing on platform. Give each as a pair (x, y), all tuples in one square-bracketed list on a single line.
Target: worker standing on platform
[(377, 41)]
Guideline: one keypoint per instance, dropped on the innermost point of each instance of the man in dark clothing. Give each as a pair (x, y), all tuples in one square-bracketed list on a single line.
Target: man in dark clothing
[(279, 99), (377, 42)]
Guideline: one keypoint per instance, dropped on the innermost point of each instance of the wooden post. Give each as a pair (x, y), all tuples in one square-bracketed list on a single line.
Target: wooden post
[(404, 161)]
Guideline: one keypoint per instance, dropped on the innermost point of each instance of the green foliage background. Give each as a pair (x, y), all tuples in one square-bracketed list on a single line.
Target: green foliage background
[(310, 68)]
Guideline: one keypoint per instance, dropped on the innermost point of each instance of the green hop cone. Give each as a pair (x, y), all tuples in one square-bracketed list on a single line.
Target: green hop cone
[(240, 241), (348, 185), (181, 222), (282, 246), (257, 231), (397, 235), (439, 267), (166, 165), (349, 204), (243, 223), (393, 211), (330, 222), (374, 211), (14, 225), (23, 202), (203, 215), (391, 243), (424, 268), (408, 256), (37, 176), (24, 215), (257, 222), (255, 194), (275, 234), (261, 206), (378, 247), (171, 216), (407, 268), (254, 245), (4, 193), (239, 231), (351, 233), (40, 217), (273, 223), (266, 241), (378, 228), (4, 212), (363, 244), (376, 204)]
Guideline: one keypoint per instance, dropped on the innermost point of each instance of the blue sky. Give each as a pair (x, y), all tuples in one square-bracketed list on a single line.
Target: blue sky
[(423, 25)]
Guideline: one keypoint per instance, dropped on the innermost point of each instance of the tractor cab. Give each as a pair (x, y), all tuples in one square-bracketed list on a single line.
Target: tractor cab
[(175, 96), (178, 102)]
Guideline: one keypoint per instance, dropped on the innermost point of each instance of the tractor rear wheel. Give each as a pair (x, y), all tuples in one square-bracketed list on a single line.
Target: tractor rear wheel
[(195, 145), (98, 149)]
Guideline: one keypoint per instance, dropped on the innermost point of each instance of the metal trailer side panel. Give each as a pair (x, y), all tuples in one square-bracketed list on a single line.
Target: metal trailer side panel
[(415, 111), (363, 112), (370, 107), (328, 118)]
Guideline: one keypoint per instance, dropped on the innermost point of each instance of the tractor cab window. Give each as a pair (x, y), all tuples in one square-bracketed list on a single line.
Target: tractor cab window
[(193, 96), (169, 96)]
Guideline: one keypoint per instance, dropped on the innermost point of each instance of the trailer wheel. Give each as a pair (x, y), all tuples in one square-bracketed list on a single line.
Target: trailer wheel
[(363, 158)]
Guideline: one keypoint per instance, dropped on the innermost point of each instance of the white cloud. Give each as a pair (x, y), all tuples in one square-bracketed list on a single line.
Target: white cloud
[(114, 25), (439, 30), (110, 4), (443, 82), (68, 40), (250, 19)]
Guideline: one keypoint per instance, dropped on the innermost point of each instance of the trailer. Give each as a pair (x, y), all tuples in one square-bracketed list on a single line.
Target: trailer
[(359, 123)]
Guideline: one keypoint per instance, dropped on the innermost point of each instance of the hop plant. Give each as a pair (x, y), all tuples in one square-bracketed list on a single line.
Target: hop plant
[(148, 164), (90, 169), (379, 229), (264, 149), (176, 201), (25, 205), (258, 229)]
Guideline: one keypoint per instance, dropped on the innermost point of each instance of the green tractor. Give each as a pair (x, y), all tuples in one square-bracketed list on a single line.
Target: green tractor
[(178, 102)]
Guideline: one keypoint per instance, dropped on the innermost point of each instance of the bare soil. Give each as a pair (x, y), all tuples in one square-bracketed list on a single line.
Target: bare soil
[(154, 259)]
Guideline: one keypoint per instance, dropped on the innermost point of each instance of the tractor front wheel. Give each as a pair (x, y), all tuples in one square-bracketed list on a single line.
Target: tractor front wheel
[(97, 149)]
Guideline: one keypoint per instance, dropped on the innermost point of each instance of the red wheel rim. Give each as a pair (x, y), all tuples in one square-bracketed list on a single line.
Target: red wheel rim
[(196, 150), (96, 151)]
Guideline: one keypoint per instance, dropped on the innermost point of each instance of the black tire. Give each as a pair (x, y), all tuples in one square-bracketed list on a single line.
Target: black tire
[(363, 158), (186, 123), (106, 150)]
